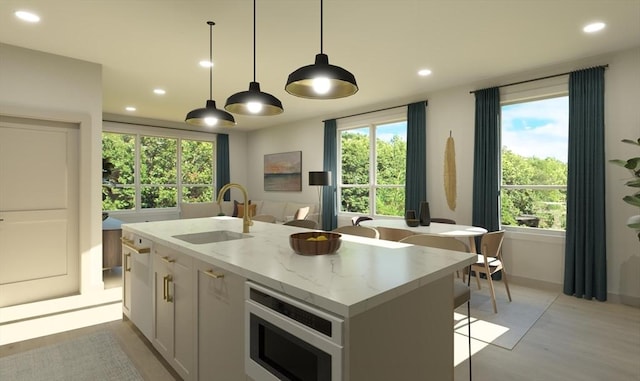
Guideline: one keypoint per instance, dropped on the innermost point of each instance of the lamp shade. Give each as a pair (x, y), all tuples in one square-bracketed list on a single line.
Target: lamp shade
[(321, 81), (210, 116), (254, 102), (320, 178)]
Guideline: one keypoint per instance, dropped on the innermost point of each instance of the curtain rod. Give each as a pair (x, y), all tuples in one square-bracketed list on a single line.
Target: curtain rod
[(372, 111), (156, 126), (536, 79)]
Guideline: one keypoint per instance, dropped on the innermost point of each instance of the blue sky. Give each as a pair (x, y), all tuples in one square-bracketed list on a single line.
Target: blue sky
[(387, 131), (538, 128)]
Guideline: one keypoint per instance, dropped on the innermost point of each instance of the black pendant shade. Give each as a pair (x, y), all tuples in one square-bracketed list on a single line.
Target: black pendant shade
[(306, 82), (210, 116), (253, 101), (321, 80)]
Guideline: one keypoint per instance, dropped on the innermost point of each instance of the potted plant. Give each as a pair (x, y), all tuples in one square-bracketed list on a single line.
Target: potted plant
[(633, 165)]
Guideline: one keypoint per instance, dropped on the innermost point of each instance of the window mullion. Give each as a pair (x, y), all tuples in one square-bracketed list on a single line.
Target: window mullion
[(179, 171), (138, 170), (372, 169)]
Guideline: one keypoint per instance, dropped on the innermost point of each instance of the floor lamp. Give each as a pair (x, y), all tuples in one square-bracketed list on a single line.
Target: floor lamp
[(320, 179)]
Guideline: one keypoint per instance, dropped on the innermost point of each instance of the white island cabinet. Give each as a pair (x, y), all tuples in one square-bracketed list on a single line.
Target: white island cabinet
[(220, 309), (395, 301), (173, 328), (137, 281)]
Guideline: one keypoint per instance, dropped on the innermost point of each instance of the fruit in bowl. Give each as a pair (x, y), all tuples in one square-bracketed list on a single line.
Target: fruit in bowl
[(315, 243)]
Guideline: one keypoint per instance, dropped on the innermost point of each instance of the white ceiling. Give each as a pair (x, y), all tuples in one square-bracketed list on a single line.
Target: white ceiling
[(144, 44)]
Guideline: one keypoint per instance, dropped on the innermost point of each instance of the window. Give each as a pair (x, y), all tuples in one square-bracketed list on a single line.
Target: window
[(153, 172), (372, 167), (534, 163)]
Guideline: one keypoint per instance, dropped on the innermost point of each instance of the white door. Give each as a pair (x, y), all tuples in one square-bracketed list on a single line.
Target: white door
[(39, 256)]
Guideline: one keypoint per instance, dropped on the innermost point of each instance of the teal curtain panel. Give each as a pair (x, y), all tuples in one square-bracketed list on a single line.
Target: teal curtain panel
[(585, 268), (329, 197), (223, 174), (416, 176), (486, 163)]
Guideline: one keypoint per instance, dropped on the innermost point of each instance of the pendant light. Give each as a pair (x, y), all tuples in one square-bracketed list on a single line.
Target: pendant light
[(210, 116), (321, 80), (254, 101)]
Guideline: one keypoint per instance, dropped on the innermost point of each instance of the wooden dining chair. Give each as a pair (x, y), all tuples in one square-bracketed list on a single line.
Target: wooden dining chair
[(393, 234), (441, 242), (490, 262), (362, 231), (309, 224), (461, 292)]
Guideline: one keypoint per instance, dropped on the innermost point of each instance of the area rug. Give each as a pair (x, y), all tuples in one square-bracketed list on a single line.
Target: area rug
[(513, 320), (96, 356)]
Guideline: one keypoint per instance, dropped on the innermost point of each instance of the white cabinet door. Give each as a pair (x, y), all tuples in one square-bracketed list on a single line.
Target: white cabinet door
[(220, 309), (126, 282), (137, 280), (173, 328)]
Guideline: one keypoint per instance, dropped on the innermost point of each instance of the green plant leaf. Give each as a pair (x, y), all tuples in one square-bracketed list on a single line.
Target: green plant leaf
[(635, 183), (619, 162), (631, 141), (632, 163), (633, 200)]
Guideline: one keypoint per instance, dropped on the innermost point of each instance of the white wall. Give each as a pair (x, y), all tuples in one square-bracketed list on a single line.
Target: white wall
[(306, 136), (49, 87), (530, 256), (622, 118)]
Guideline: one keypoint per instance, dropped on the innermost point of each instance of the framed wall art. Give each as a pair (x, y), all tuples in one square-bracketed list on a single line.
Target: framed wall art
[(283, 171)]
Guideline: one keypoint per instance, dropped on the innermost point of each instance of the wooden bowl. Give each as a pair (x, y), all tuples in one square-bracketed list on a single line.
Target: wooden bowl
[(307, 243)]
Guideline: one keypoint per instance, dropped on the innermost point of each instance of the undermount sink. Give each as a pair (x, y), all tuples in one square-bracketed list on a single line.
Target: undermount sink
[(211, 237)]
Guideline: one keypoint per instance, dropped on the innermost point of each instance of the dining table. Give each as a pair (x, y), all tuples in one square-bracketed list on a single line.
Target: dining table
[(434, 228)]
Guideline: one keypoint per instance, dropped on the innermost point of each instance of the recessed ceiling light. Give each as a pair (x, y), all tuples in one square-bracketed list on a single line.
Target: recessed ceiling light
[(27, 16), (424, 72), (159, 91), (594, 27), (205, 63), (130, 108)]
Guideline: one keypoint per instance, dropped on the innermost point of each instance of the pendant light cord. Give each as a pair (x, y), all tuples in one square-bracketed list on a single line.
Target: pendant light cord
[(211, 24), (254, 40), (321, 27)]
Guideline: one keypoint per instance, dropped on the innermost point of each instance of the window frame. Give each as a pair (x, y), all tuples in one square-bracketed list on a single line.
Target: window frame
[(522, 93), (158, 132), (370, 121)]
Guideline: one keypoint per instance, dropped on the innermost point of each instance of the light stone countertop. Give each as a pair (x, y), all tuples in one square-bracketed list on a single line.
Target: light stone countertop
[(362, 274)]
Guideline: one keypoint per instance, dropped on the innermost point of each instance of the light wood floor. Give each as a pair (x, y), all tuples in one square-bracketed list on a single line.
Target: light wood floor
[(575, 339)]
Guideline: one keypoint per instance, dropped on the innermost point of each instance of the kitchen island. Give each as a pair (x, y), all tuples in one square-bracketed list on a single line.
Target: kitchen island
[(395, 300)]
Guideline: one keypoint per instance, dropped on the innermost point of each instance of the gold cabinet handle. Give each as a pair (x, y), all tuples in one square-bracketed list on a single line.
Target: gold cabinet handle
[(164, 287), (127, 258), (169, 297), (132, 246), (167, 259), (213, 275)]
